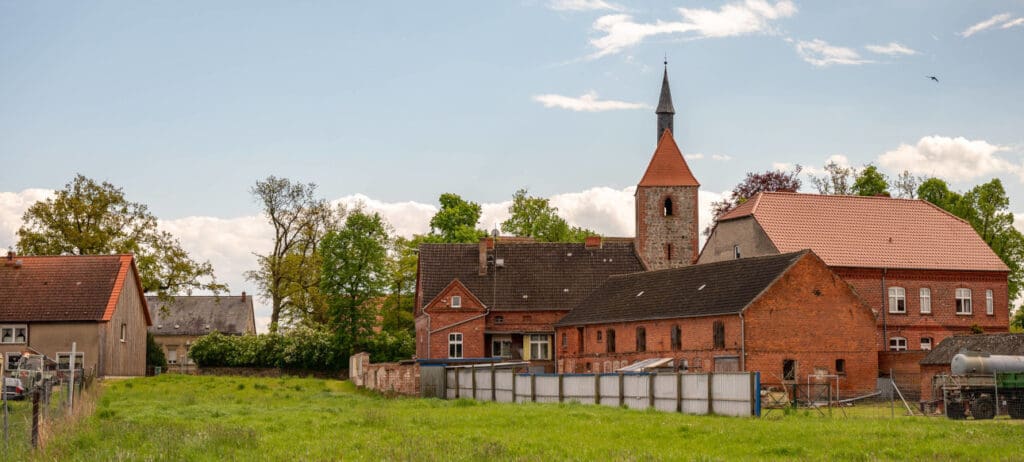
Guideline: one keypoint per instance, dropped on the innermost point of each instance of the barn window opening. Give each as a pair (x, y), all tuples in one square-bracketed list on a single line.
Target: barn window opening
[(610, 344), (736, 251), (788, 369), (565, 340), (668, 251), (579, 337), (840, 366), (668, 207), (598, 336), (677, 338), (641, 339), (719, 334), (124, 331)]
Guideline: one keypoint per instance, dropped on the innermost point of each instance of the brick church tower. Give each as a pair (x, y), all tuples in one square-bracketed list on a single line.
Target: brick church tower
[(666, 199)]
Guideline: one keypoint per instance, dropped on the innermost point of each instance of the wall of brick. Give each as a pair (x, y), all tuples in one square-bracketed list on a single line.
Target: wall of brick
[(392, 378), (928, 372), (654, 230)]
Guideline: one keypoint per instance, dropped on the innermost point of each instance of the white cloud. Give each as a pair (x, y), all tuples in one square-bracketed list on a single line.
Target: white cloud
[(988, 23), (721, 157), (819, 53), (620, 31), (588, 102), (695, 156), (406, 218), (1013, 23), (891, 49), (12, 206), (955, 159), (583, 5), (715, 157)]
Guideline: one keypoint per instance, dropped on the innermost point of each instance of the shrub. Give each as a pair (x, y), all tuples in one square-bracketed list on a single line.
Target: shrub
[(154, 354), (298, 348), (391, 346)]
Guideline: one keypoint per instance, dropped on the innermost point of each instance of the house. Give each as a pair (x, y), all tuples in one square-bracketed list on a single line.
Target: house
[(937, 361), (94, 301), (179, 321), (787, 316)]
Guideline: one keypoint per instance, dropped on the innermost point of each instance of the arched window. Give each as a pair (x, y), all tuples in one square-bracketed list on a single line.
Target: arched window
[(641, 339), (668, 207), (719, 334), (610, 341)]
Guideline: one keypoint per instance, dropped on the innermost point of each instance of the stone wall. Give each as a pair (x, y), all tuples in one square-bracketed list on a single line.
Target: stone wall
[(392, 378), (655, 231)]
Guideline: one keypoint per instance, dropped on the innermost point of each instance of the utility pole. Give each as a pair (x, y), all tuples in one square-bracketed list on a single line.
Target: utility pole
[(71, 383)]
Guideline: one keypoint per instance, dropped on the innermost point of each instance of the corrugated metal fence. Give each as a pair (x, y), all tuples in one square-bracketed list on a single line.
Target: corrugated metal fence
[(723, 393)]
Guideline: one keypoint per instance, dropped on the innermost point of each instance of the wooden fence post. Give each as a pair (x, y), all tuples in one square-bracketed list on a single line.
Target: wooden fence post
[(561, 392), (679, 392), (514, 399), (533, 388), (472, 376), (494, 385), (711, 393), (650, 389), (622, 389), (597, 388), (35, 416), (458, 389)]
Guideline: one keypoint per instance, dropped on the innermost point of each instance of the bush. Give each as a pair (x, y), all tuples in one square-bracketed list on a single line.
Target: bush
[(391, 346), (154, 354), (298, 348)]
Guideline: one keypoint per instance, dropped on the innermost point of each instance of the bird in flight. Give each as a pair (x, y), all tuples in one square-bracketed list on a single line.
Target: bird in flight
[(936, 79)]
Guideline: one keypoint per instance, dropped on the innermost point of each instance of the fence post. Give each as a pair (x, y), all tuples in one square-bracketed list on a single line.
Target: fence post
[(472, 376), (533, 388), (514, 380), (622, 389), (679, 392), (35, 417), (650, 390), (561, 392), (494, 386), (711, 393), (458, 389), (597, 388)]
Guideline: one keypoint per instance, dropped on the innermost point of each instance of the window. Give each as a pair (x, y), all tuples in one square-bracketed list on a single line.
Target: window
[(565, 340), (668, 207), (17, 333), (641, 339), (926, 300), (897, 344), (456, 301), (677, 338), (926, 343), (12, 360), (736, 251), (897, 300), (172, 355), (64, 360), (499, 319), (990, 308), (840, 366), (579, 339), (668, 251), (501, 347), (124, 331), (788, 369), (455, 345), (963, 301), (719, 334), (610, 345), (598, 336), (540, 346)]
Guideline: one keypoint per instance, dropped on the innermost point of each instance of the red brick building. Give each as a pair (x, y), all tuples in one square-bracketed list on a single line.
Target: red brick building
[(787, 316)]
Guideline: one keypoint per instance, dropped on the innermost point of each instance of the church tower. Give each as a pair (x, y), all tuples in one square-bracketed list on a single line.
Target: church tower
[(666, 199)]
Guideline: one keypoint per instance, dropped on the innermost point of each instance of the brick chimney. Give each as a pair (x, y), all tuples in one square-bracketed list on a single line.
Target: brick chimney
[(592, 242), (486, 244), (243, 296)]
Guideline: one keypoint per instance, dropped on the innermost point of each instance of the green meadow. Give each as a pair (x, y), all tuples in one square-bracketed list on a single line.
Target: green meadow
[(174, 417)]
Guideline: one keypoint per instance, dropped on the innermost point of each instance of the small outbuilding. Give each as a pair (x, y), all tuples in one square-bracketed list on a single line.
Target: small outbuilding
[(937, 362)]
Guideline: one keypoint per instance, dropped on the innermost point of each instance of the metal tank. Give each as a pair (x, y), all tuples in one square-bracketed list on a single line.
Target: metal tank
[(965, 364)]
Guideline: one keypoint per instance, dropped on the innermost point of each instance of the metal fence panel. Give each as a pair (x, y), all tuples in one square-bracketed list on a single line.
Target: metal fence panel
[(450, 375), (483, 383), (578, 388), (731, 394), (503, 384), (666, 387), (695, 393), (610, 390), (636, 391), (432, 382), (465, 383), (547, 388), (524, 392)]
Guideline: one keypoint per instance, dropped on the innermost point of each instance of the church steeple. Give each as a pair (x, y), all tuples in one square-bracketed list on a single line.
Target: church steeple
[(666, 113)]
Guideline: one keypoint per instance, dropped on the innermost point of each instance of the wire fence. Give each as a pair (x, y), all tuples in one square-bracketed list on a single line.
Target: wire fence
[(35, 405)]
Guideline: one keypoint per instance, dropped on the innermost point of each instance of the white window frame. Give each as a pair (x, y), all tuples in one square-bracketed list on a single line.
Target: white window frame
[(124, 332), (542, 342), (926, 343), (990, 307), (897, 344), (897, 300), (963, 302), (925, 295), (172, 349), (79, 358), (11, 330), (456, 301), (455, 350), (504, 346)]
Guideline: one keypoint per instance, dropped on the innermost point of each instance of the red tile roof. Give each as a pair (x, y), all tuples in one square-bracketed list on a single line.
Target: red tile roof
[(64, 288), (667, 167), (871, 232)]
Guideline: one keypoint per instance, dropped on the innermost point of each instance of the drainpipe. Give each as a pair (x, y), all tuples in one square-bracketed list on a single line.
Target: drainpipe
[(885, 327), (428, 331), (743, 344)]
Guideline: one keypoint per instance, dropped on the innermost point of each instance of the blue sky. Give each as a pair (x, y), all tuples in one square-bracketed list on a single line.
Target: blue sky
[(186, 104)]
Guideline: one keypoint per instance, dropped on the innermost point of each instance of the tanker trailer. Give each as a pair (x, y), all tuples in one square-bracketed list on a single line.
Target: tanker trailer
[(979, 382)]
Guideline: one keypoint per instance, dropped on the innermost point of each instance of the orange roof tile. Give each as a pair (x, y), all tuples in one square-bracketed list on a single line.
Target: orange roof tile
[(667, 167), (871, 232)]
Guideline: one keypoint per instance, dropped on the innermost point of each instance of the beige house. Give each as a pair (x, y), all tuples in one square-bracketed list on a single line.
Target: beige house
[(179, 321), (95, 301)]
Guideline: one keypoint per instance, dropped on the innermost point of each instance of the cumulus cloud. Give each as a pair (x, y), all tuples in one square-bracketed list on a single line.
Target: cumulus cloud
[(621, 31), (12, 207), (956, 159), (891, 49), (583, 5), (721, 157), (821, 54), (1004, 19), (588, 102)]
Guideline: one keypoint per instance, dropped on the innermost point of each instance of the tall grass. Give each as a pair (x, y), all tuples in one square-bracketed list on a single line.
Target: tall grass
[(175, 417)]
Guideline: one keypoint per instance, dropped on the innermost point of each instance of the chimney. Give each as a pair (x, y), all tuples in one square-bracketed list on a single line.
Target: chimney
[(243, 296), (10, 255), (592, 242), (485, 244)]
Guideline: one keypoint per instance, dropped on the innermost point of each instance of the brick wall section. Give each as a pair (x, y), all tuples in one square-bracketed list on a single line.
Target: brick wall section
[(392, 378), (905, 368), (654, 230), (441, 319), (810, 315), (928, 372), (943, 321)]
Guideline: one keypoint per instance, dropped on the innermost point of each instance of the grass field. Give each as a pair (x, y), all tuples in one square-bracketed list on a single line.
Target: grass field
[(175, 417)]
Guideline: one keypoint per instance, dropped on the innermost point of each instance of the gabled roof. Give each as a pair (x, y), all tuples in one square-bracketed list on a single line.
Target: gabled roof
[(869, 232), (534, 276), (227, 314), (667, 166), (711, 289), (993, 344), (64, 287)]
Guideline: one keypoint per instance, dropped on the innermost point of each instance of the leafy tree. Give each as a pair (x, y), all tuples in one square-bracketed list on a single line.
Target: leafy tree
[(906, 185), (535, 217), (90, 218), (456, 221), (397, 312), (154, 354), (289, 275), (836, 180), (391, 346), (769, 181), (870, 182), (354, 275)]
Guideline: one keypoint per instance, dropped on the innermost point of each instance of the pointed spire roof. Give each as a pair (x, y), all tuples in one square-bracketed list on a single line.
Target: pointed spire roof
[(665, 101), (667, 167)]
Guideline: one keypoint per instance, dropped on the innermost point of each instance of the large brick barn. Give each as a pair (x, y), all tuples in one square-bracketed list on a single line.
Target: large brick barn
[(787, 316)]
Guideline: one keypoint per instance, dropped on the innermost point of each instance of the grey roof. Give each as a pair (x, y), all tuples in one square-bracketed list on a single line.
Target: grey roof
[(202, 314), (665, 101), (710, 289), (535, 276), (994, 344)]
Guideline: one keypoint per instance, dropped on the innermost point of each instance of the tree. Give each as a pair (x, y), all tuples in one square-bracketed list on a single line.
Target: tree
[(906, 185), (456, 221), (154, 354), (354, 276), (835, 181), (870, 182), (768, 181), (397, 314), (90, 218), (289, 276), (535, 217)]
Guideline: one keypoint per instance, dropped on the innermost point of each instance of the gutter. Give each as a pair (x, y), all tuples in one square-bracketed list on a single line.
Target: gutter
[(885, 326), (743, 343)]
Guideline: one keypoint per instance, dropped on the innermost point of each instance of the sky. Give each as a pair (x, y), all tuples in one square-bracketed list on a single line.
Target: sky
[(186, 104)]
